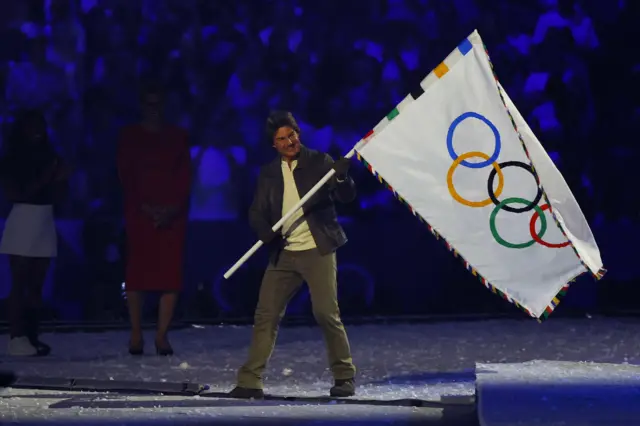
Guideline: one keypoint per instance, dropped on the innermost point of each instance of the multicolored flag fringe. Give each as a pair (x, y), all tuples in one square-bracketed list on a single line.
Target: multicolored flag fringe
[(459, 155)]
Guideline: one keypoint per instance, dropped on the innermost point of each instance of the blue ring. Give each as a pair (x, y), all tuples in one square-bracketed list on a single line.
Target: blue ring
[(486, 121)]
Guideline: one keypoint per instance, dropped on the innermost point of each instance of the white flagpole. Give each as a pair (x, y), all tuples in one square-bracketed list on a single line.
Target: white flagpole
[(286, 217)]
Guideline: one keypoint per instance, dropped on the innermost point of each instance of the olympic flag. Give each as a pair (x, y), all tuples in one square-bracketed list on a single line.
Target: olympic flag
[(458, 153)]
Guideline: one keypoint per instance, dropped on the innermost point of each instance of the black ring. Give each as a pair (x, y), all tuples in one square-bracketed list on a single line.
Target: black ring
[(495, 200)]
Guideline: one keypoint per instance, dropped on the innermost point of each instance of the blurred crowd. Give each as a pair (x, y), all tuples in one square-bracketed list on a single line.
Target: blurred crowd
[(338, 65)]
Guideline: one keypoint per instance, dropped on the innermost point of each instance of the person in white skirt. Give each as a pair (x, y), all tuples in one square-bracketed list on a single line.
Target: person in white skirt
[(33, 177)]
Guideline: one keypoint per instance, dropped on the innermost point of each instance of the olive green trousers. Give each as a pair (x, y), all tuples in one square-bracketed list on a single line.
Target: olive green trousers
[(282, 280)]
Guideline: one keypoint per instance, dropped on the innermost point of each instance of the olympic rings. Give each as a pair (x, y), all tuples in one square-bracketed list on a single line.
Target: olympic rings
[(538, 238), (460, 160), (502, 241), (496, 134), (494, 197)]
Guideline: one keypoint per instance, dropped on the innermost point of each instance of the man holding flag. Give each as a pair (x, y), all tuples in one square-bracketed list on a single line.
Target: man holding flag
[(304, 250)]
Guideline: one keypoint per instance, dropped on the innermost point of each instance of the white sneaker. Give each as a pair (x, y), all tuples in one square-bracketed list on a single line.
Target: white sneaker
[(20, 346)]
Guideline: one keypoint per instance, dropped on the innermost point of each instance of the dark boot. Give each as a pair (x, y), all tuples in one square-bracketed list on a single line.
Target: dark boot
[(343, 388), (246, 393), (32, 328)]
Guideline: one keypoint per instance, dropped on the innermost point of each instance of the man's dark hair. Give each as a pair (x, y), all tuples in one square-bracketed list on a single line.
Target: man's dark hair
[(279, 119)]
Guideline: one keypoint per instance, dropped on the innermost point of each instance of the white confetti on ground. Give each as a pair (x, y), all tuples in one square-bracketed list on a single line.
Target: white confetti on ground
[(421, 361)]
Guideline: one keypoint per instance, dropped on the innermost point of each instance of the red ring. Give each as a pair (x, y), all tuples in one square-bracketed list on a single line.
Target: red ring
[(532, 230)]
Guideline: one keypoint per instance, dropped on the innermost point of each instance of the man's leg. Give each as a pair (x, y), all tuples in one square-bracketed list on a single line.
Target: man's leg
[(320, 274), (279, 285)]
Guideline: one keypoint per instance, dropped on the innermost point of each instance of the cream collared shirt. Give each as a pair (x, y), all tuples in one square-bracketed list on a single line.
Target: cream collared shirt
[(295, 230)]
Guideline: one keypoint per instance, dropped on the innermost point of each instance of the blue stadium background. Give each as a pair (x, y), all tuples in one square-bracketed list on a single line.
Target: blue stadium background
[(339, 66)]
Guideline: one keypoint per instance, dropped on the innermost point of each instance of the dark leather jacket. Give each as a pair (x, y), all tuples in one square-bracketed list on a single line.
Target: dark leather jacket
[(320, 212)]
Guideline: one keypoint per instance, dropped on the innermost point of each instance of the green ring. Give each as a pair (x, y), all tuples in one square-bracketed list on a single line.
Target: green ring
[(514, 200)]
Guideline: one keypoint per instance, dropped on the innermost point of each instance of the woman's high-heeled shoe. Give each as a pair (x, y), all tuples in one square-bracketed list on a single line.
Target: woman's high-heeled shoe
[(164, 350), (136, 349), (32, 325)]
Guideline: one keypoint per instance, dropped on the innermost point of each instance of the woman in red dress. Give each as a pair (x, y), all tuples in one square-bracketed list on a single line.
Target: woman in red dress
[(154, 165)]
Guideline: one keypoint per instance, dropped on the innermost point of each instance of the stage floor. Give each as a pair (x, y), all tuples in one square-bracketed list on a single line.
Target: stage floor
[(408, 374)]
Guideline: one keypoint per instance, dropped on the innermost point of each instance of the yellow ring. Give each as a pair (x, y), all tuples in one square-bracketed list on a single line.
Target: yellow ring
[(457, 196)]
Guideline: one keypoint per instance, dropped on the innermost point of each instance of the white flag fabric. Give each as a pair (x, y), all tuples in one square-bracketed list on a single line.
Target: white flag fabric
[(458, 153)]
